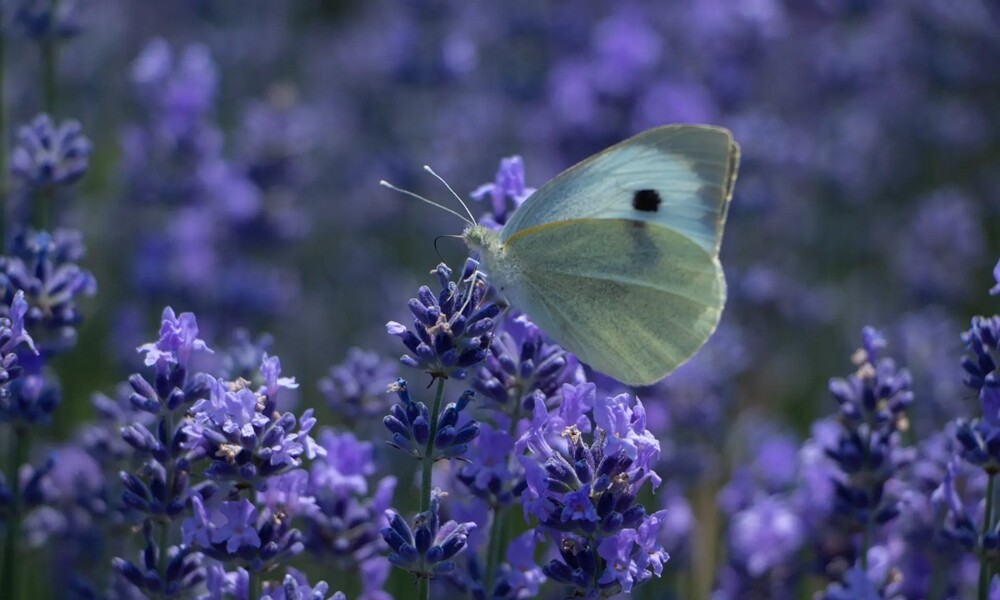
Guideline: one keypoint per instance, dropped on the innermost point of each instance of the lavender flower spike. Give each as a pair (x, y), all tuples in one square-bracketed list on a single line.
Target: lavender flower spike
[(429, 547), (50, 155), (178, 339), (451, 330)]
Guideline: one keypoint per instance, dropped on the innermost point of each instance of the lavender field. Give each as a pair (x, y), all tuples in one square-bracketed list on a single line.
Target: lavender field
[(233, 366)]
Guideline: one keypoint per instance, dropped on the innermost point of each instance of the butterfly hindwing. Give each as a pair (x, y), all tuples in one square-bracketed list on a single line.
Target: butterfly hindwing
[(630, 299)]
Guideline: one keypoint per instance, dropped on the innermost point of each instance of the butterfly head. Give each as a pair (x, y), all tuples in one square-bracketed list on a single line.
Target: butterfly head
[(483, 240)]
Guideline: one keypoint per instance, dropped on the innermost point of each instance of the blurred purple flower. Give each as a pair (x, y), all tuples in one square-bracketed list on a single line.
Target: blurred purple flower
[(49, 155), (355, 388)]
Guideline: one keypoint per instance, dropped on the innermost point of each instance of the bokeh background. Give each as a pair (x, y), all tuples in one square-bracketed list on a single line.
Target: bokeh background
[(237, 149)]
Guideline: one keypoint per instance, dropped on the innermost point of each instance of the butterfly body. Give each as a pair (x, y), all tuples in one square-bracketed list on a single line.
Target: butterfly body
[(617, 257)]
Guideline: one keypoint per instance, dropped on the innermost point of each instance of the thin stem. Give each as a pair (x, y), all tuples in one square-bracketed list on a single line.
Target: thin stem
[(867, 539), (427, 465), (498, 530), (427, 468), (495, 547), (255, 585), (988, 517), (164, 539), (11, 574)]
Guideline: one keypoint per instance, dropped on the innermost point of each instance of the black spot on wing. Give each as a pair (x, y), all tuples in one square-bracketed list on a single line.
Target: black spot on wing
[(646, 200)]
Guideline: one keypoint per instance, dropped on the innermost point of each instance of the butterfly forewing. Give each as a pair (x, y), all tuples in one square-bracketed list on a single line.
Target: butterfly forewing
[(677, 176)]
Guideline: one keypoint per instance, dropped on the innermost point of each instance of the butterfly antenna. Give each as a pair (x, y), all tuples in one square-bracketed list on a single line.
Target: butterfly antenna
[(385, 183), (457, 197)]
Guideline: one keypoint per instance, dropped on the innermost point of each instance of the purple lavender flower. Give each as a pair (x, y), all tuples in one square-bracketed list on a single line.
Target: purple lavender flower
[(765, 535), (873, 402), (47, 155), (429, 547), (183, 573), (345, 524), (12, 336), (296, 587), (355, 388), (44, 267), (239, 533), (410, 426), (585, 495), (178, 339), (492, 472), (242, 435), (46, 21), (505, 193), (452, 330), (522, 361)]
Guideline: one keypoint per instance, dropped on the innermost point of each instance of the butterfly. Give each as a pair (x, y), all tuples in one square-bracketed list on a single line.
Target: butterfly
[(617, 258)]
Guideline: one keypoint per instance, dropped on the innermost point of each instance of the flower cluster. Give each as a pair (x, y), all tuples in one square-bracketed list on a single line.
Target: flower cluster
[(452, 329), (344, 517), (412, 427), (585, 493), (355, 388), (980, 438), (47, 155), (245, 440), (873, 404), (428, 547), (521, 361)]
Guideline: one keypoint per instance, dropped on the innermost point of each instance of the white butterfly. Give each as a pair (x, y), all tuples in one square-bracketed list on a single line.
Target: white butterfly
[(617, 258)]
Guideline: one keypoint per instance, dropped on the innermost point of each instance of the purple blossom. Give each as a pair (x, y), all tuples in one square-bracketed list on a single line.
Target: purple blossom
[(410, 426), (356, 387), (345, 526), (520, 362), (491, 472), (346, 464), (47, 155), (765, 535), (505, 193), (429, 546), (451, 330), (295, 586), (238, 526), (241, 533), (178, 340), (242, 435), (44, 268)]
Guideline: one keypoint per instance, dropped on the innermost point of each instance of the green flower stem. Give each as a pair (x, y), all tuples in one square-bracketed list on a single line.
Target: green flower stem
[(254, 588), (10, 577), (494, 550), (498, 530), (427, 468), (163, 542), (988, 518)]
